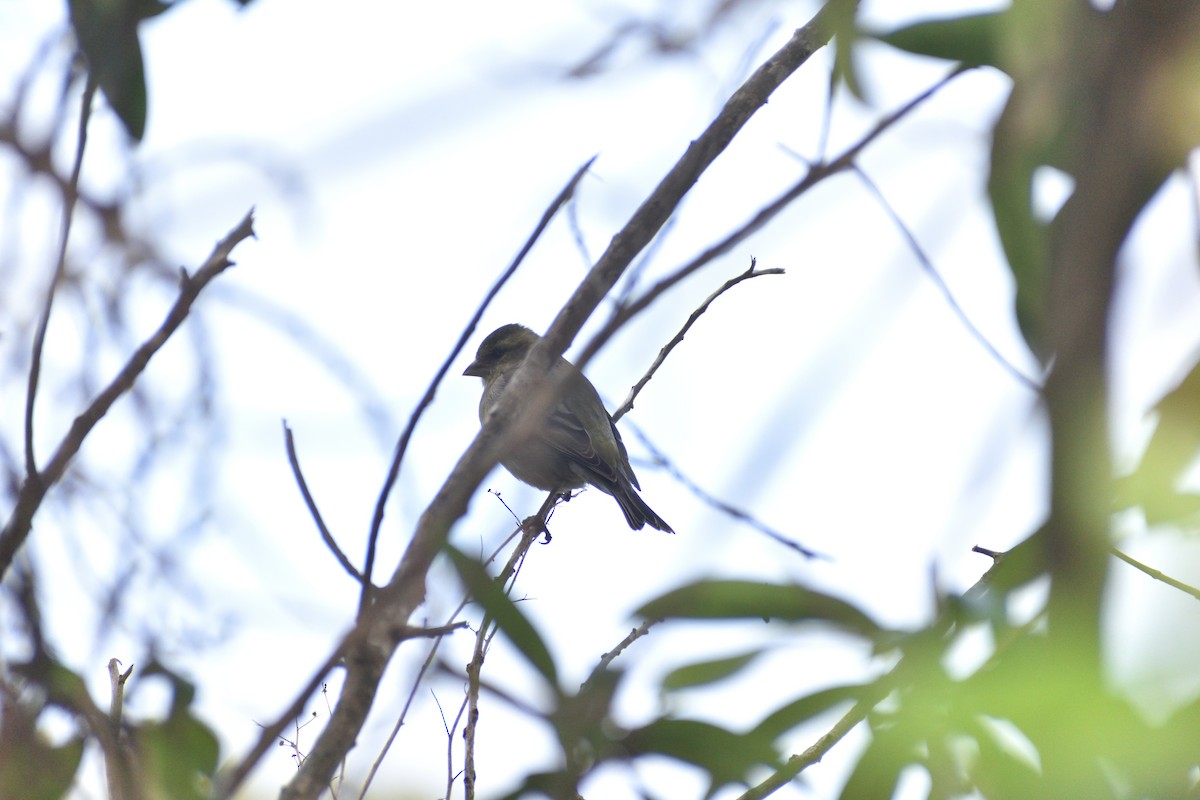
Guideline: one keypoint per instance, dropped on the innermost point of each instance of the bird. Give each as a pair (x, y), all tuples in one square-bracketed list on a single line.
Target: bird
[(577, 444)]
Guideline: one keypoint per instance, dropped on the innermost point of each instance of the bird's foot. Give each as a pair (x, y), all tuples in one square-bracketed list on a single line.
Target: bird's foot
[(536, 526)]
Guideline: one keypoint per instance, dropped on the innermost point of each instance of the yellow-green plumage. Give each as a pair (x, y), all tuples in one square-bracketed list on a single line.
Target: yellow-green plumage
[(577, 444)]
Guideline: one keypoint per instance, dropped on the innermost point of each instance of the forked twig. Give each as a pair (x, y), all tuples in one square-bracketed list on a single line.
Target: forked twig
[(816, 174), (367, 657), (625, 407), (427, 398)]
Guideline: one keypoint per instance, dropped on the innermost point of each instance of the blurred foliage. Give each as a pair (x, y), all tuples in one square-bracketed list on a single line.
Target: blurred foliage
[(986, 732), (107, 33), (1026, 723)]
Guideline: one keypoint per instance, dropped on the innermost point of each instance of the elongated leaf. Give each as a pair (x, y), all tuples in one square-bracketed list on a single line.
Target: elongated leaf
[(1172, 449), (1000, 771), (841, 15), (107, 32), (806, 707), (504, 611), (973, 40), (878, 769), (726, 756), (1025, 238), (732, 599), (706, 672), (542, 784)]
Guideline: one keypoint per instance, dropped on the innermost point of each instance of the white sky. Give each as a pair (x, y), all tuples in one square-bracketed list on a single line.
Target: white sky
[(842, 404)]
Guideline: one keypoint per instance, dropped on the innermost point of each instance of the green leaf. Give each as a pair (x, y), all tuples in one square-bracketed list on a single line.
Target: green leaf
[(1025, 238), (180, 753), (543, 784), (733, 599), (1000, 771), (878, 768), (582, 716), (489, 594), (806, 707), (726, 756), (841, 19), (706, 672), (30, 767), (1172, 449), (107, 32), (62, 686), (973, 40)]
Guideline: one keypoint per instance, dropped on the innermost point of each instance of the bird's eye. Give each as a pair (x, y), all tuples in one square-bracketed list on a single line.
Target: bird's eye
[(494, 354)]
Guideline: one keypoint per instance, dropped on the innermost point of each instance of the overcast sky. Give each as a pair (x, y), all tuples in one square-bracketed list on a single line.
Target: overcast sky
[(397, 158)]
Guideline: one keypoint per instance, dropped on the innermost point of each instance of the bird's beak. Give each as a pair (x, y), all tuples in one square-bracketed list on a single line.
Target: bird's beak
[(474, 369)]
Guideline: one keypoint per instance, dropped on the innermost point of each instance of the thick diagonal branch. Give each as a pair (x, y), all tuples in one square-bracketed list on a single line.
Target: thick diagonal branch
[(395, 603)]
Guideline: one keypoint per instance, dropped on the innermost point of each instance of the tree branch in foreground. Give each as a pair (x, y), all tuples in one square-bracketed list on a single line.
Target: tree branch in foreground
[(367, 655)]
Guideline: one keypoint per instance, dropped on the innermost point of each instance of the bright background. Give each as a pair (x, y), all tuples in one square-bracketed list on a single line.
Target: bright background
[(397, 156)]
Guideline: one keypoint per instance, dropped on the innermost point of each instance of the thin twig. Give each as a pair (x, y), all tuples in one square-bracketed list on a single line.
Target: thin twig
[(814, 753), (70, 192), (577, 232), (938, 281), (611, 656), (827, 117), (427, 398), (881, 687), (691, 320), (387, 745), (326, 536), (406, 589), (438, 633), (34, 489), (228, 782), (816, 173), (483, 640), (1156, 574), (726, 508), (116, 710)]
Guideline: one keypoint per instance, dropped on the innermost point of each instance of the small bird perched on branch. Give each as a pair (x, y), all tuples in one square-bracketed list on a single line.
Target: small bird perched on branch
[(577, 444)]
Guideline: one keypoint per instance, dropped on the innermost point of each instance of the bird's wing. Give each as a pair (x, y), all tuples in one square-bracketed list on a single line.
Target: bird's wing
[(584, 433)]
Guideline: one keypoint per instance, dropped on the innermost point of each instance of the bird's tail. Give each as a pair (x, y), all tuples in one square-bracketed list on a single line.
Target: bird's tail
[(636, 512)]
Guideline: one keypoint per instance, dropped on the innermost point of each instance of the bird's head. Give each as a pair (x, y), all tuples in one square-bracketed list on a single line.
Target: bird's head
[(502, 350)]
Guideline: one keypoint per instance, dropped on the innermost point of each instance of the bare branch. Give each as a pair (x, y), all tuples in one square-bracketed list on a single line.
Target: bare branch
[(531, 530), (815, 174), (938, 281), (326, 536), (611, 656), (35, 486), (229, 781), (1156, 574), (427, 398), (396, 601), (115, 762), (691, 320), (438, 634), (70, 192), (726, 508)]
